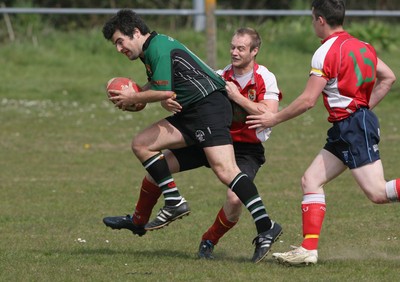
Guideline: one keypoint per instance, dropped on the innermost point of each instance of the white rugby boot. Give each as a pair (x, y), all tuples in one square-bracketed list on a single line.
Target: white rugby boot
[(297, 256)]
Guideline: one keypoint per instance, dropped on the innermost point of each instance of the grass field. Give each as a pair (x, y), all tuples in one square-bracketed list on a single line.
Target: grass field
[(66, 163)]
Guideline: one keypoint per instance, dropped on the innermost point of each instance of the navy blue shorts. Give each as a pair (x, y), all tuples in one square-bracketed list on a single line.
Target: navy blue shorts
[(355, 139), (249, 157), (207, 122)]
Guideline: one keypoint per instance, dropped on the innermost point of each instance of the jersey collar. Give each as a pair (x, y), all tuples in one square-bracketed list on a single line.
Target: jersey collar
[(147, 42), (231, 74), (333, 35)]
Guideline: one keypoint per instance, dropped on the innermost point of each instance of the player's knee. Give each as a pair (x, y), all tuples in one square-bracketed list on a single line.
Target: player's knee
[(234, 202), (305, 184), (137, 146), (378, 198), (225, 175), (310, 185)]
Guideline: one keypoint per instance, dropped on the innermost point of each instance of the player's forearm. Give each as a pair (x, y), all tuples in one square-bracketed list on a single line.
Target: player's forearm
[(149, 96), (296, 108), (305, 101), (380, 90), (253, 108), (384, 81)]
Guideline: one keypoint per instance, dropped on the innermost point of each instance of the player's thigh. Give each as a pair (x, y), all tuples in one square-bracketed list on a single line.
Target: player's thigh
[(371, 180), (158, 136), (222, 161), (323, 168)]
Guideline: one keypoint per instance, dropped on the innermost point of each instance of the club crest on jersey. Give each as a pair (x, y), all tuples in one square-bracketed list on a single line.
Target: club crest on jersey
[(159, 82), (200, 136), (346, 156), (251, 94)]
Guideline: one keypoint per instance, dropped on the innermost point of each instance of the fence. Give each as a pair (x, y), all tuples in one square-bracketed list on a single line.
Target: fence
[(204, 13)]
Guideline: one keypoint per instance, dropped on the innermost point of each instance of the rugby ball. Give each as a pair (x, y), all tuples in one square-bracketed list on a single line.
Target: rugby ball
[(120, 83)]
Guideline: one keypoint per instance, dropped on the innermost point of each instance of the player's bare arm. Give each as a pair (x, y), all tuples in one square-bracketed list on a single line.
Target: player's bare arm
[(384, 81), (169, 104), (127, 97), (253, 108), (301, 104)]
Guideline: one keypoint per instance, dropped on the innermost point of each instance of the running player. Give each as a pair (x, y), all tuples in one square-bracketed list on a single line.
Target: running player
[(352, 80)]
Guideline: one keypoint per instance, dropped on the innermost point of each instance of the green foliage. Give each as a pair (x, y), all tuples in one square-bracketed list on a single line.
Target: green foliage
[(290, 34), (377, 33), (67, 22)]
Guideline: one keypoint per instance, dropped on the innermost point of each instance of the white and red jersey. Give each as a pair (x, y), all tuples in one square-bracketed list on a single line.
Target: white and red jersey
[(261, 86), (349, 66)]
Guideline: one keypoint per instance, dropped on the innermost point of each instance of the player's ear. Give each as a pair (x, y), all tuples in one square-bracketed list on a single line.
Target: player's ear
[(136, 33), (255, 51), (321, 20)]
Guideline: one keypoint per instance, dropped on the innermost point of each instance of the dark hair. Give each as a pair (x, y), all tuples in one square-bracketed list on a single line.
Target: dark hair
[(332, 11), (255, 37), (125, 21)]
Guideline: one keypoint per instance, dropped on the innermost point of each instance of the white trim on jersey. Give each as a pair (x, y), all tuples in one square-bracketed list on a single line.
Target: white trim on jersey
[(334, 98), (271, 85)]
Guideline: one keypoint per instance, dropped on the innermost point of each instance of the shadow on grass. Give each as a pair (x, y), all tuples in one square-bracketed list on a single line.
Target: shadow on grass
[(153, 254)]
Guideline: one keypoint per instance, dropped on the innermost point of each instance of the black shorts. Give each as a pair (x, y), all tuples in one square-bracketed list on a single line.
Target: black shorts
[(207, 122), (355, 139), (249, 157)]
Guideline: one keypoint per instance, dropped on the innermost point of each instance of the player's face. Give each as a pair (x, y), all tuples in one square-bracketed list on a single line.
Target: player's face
[(241, 56), (130, 47)]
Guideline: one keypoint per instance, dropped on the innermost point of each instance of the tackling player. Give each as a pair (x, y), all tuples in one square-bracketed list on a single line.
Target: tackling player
[(249, 86), (203, 121)]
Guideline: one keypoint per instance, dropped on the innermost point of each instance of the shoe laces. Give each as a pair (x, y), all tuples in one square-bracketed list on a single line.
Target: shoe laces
[(297, 250)]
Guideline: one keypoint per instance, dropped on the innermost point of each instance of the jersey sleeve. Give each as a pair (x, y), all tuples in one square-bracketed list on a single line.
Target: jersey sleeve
[(270, 91), (319, 66), (162, 76)]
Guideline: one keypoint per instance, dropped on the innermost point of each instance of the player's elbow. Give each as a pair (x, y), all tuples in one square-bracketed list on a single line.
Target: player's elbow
[(309, 104), (387, 78), (392, 79), (307, 101), (387, 82)]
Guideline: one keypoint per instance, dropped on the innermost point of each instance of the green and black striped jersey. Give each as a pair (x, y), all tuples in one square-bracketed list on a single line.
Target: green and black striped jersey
[(172, 66)]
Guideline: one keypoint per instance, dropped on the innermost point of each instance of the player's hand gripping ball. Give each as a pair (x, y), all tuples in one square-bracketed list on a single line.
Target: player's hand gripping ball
[(120, 83)]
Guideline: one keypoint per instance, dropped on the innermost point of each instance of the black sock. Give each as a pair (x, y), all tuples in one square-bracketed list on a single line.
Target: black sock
[(158, 169), (247, 192)]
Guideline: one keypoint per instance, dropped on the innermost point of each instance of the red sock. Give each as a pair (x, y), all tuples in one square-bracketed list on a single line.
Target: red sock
[(398, 189), (220, 226), (149, 194), (313, 213)]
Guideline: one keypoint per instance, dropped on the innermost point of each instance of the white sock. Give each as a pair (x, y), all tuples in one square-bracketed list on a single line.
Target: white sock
[(391, 191)]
